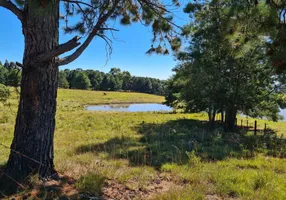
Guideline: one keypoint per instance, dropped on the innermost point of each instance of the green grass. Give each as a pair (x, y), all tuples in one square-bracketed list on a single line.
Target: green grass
[(132, 148), (76, 99), (258, 178)]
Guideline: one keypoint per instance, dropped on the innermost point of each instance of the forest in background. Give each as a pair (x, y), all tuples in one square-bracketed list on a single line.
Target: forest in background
[(114, 80)]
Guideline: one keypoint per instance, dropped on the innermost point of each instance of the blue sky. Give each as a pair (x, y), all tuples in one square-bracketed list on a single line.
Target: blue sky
[(128, 52)]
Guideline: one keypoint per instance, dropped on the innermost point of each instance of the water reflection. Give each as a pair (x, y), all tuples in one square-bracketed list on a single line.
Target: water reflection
[(140, 107)]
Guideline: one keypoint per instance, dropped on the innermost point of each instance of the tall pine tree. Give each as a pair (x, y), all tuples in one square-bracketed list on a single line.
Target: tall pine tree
[(35, 123)]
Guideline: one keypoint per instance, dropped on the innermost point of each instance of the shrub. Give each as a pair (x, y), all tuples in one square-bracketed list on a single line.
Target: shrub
[(4, 93)]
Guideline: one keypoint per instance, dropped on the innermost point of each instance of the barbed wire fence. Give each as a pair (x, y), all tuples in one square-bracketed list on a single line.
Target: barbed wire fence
[(23, 155)]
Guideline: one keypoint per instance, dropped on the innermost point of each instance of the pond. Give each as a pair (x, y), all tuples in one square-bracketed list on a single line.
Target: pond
[(283, 113), (136, 107), (143, 107)]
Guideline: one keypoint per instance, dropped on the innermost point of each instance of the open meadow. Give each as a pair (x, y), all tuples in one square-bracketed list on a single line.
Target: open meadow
[(120, 155)]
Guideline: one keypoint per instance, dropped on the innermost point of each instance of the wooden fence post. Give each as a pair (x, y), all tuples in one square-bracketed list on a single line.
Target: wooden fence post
[(255, 127), (246, 123), (241, 124), (265, 126)]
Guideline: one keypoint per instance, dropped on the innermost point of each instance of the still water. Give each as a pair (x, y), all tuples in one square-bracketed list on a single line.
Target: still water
[(283, 113), (138, 107), (142, 107)]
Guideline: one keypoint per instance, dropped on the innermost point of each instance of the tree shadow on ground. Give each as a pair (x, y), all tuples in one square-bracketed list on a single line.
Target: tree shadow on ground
[(168, 143), (63, 188)]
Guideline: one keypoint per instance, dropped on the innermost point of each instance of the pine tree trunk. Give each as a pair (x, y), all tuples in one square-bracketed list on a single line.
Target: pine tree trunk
[(212, 118), (230, 117), (32, 146)]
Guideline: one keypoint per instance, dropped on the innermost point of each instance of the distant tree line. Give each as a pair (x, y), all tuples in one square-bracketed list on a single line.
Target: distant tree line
[(10, 74), (114, 80)]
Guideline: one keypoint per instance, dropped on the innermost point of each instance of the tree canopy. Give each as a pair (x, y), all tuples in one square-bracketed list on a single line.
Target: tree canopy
[(222, 72)]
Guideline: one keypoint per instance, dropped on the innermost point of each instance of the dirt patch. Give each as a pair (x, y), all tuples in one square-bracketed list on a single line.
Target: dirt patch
[(114, 190), (62, 189)]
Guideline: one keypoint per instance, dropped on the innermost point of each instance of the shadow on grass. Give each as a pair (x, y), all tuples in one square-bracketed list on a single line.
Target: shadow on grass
[(168, 142), (62, 188)]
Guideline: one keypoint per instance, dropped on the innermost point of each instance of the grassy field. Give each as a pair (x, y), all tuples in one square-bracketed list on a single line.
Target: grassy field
[(158, 155)]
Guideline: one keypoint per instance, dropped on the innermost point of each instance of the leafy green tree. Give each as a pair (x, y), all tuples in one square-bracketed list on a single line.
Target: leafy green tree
[(95, 78), (71, 76), (106, 82), (115, 71), (116, 80), (127, 81), (82, 81), (63, 82)]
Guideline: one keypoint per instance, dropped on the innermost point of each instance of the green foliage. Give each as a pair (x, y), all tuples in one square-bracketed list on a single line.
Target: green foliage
[(223, 72), (10, 74), (4, 93), (260, 19), (115, 80), (13, 77), (95, 78), (81, 81), (63, 82), (3, 74), (194, 161)]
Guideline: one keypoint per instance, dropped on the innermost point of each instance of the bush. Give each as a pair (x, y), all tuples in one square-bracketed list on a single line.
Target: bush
[(4, 93)]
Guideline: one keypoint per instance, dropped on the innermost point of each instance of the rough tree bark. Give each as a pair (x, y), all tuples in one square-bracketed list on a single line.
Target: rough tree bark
[(230, 116), (32, 146), (211, 114)]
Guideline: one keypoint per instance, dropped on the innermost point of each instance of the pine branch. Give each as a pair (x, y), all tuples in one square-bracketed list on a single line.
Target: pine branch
[(110, 29), (155, 8), (71, 44), (77, 2), (13, 8), (93, 33)]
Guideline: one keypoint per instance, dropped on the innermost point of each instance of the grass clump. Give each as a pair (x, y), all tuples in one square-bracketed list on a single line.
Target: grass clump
[(91, 183)]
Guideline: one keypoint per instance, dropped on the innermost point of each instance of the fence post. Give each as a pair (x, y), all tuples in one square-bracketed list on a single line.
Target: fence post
[(236, 122), (255, 127), (265, 126), (241, 124), (246, 123)]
